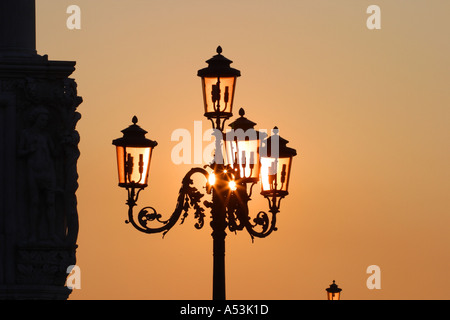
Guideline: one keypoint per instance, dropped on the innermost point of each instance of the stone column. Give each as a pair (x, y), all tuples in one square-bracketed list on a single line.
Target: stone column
[(17, 28), (38, 162)]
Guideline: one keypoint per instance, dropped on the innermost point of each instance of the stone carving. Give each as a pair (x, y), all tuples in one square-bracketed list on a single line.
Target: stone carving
[(38, 160), (47, 266), (48, 147), (70, 141), (48, 179), (37, 147)]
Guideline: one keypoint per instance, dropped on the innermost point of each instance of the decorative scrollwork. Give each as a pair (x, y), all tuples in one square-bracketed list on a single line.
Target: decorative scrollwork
[(239, 218), (262, 219), (263, 222), (188, 197), (236, 213), (194, 197), (144, 216)]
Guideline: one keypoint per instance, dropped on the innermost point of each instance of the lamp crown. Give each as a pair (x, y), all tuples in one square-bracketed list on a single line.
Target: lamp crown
[(242, 122), (219, 66), (281, 144), (134, 136), (334, 288)]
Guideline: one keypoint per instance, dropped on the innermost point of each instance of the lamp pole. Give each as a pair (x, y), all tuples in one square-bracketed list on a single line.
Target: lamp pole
[(218, 225), (248, 158)]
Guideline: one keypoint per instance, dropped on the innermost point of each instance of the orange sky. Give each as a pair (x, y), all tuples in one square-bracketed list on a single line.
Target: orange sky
[(367, 111)]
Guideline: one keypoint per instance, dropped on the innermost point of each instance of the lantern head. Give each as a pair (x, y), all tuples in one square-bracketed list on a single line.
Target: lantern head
[(134, 152), (218, 83), (242, 145), (276, 162)]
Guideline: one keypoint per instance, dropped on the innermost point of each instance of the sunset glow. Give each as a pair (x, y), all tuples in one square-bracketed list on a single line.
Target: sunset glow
[(366, 109)]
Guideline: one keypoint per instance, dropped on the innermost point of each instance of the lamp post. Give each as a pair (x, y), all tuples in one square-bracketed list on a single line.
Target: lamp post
[(246, 160), (333, 292)]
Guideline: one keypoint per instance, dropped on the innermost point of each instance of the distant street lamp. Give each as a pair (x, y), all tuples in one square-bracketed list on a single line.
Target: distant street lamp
[(245, 158), (333, 292)]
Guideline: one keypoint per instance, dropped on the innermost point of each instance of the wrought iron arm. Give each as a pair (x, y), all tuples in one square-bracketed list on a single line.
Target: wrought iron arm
[(188, 197), (262, 225)]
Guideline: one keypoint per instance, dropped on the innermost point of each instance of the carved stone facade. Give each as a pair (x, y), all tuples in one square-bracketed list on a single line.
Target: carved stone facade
[(38, 177), (38, 162)]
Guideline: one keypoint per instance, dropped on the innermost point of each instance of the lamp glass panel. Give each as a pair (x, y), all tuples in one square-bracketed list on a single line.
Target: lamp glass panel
[(218, 93), (244, 154), (230, 149), (275, 173), (333, 295), (248, 158), (135, 162), (120, 151)]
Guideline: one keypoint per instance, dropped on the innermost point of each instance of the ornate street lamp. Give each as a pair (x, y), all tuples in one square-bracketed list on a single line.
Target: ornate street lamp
[(227, 183), (333, 292)]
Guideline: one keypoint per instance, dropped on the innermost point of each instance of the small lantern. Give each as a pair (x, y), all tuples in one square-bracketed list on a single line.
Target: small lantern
[(134, 152), (333, 292), (218, 82), (242, 145), (276, 162)]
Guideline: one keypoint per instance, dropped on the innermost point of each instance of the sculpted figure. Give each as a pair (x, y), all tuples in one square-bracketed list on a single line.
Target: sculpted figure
[(38, 149)]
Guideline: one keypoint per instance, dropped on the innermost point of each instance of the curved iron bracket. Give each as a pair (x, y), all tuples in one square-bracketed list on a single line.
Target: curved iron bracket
[(237, 212), (238, 215), (188, 197)]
